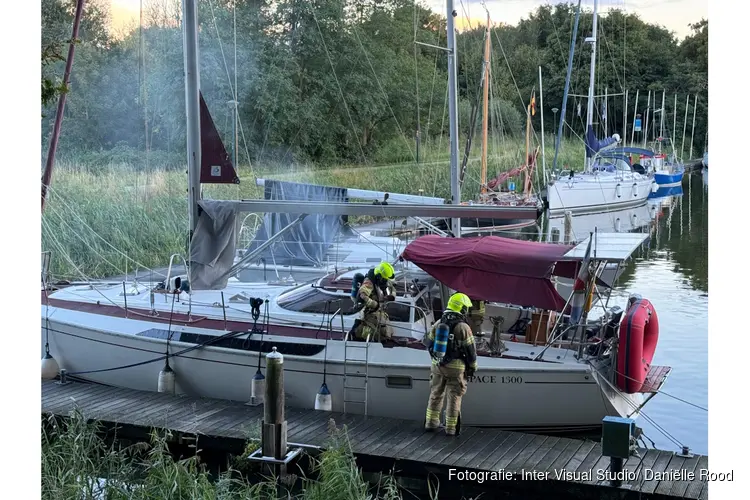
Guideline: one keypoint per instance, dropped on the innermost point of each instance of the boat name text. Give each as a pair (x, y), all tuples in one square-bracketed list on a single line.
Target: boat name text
[(494, 379)]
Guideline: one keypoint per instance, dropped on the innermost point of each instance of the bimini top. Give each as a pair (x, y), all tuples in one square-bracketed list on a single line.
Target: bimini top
[(512, 271), (495, 269)]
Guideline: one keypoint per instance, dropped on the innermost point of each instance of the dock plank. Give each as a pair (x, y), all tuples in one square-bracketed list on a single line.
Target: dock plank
[(549, 458), (645, 462), (694, 488), (690, 466), (518, 462), (512, 453), (567, 455), (499, 451), (674, 469), (660, 465), (437, 453), (473, 454), (704, 491), (548, 444), (379, 438), (477, 442)]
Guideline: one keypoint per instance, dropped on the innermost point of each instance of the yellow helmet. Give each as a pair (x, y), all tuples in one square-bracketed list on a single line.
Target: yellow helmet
[(458, 301), (385, 270)]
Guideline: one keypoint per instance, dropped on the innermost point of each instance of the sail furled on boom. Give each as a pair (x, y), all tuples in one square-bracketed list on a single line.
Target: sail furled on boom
[(307, 244), (594, 145), (216, 166), (213, 245)]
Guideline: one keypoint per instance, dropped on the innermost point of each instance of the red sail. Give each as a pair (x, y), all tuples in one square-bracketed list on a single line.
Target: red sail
[(216, 166)]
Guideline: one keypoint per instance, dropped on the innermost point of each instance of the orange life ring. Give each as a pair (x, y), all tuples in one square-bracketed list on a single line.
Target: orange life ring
[(639, 334)]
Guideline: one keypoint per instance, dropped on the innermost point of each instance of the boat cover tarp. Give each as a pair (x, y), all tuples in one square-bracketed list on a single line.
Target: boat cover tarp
[(308, 243), (593, 145), (495, 269), (212, 247)]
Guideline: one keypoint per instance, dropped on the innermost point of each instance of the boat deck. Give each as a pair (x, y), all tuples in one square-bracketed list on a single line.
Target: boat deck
[(390, 441)]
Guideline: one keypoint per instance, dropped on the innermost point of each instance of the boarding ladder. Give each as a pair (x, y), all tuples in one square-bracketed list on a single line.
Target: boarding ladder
[(355, 374)]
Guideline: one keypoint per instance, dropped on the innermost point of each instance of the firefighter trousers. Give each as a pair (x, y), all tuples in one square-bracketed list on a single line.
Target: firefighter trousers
[(445, 382)]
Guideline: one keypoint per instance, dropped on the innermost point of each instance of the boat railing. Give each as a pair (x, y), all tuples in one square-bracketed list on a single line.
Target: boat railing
[(169, 269), (330, 323), (424, 315)]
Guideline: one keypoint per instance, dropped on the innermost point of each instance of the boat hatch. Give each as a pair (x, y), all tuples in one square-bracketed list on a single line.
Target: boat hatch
[(240, 344), (613, 247), (656, 377)]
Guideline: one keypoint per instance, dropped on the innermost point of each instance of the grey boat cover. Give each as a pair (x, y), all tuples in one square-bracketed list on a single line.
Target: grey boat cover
[(308, 243), (212, 248)]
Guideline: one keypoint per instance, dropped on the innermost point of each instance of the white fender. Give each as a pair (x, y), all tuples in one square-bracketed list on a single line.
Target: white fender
[(617, 225), (618, 190), (635, 189)]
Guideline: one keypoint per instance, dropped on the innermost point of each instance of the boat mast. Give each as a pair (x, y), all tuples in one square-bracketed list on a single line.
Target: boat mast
[(635, 117), (453, 114), (567, 87), (541, 119), (625, 120), (47, 176), (590, 107), (485, 105), (192, 109), (661, 119)]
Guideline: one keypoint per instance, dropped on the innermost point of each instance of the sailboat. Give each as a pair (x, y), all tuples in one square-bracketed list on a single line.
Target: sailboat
[(211, 332), (667, 169), (601, 186), (502, 189)]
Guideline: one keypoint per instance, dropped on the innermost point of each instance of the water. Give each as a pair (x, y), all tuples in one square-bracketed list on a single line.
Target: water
[(672, 272)]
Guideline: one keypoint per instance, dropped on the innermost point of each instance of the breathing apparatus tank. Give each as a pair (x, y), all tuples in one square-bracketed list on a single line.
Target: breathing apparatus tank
[(359, 278), (442, 333)]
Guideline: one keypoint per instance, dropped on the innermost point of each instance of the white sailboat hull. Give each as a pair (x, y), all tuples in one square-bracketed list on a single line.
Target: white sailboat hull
[(597, 193), (510, 393)]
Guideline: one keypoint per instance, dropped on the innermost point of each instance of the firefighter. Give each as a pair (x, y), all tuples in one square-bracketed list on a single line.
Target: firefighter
[(449, 375), (374, 293)]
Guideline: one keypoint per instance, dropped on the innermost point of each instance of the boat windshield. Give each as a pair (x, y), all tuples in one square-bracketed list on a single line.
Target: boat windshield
[(309, 299), (611, 165)]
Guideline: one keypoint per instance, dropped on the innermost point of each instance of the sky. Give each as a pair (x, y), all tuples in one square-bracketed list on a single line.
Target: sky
[(675, 15)]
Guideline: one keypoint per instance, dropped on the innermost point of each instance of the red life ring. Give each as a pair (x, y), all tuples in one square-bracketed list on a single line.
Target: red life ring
[(639, 334)]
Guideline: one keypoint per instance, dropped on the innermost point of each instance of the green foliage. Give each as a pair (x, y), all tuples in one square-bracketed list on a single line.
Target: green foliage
[(340, 81), (78, 463)]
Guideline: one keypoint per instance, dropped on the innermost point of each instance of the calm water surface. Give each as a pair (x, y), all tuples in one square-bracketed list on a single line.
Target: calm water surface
[(672, 272)]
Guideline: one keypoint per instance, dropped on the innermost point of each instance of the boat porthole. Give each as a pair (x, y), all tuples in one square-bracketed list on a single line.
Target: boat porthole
[(558, 357), (586, 377), (398, 381)]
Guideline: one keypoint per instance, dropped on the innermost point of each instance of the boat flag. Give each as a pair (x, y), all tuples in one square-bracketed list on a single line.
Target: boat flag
[(578, 299), (533, 105)]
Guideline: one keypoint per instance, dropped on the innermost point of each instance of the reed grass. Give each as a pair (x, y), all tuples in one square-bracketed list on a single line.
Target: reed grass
[(77, 463), (113, 216)]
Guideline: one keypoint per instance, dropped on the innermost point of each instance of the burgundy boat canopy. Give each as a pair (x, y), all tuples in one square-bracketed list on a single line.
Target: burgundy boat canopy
[(495, 269)]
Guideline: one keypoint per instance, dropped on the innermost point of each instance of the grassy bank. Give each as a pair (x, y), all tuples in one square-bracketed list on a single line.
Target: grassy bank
[(78, 464), (106, 213)]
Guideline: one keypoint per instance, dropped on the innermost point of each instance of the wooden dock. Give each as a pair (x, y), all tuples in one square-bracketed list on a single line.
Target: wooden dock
[(401, 443)]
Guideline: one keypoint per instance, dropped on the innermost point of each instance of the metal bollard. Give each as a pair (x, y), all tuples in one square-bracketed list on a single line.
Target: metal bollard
[(274, 437)]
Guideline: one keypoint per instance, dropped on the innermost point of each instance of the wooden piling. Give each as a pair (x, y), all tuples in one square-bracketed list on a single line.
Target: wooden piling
[(273, 440)]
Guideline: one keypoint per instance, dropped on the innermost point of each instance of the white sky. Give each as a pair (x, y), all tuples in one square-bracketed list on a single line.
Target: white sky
[(674, 15)]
